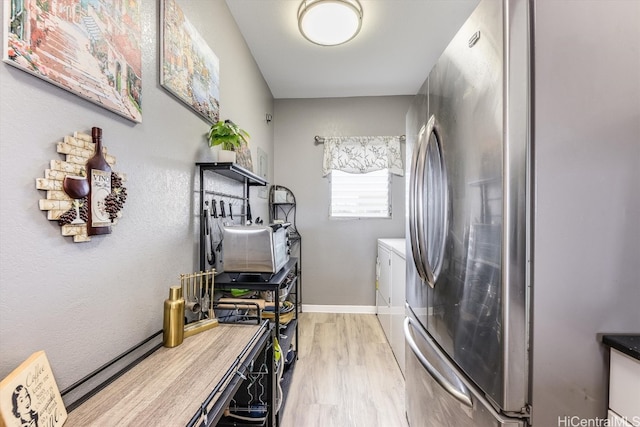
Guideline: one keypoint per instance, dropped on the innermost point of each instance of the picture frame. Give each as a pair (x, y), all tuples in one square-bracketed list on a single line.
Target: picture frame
[(263, 163), (91, 49), (30, 396), (189, 69), (243, 156)]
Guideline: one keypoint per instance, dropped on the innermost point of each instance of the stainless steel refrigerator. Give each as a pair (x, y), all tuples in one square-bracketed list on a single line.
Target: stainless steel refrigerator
[(523, 201)]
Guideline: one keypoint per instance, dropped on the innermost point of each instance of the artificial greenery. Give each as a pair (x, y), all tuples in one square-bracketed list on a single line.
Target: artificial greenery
[(227, 134)]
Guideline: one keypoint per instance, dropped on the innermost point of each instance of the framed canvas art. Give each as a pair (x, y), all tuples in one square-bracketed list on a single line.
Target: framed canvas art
[(263, 163), (90, 48), (243, 156), (189, 69)]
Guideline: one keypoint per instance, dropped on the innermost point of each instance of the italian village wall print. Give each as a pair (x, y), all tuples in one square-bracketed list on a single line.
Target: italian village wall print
[(90, 48)]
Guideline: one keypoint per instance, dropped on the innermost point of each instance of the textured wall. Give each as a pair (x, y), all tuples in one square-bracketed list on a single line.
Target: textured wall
[(338, 259), (587, 227), (85, 303)]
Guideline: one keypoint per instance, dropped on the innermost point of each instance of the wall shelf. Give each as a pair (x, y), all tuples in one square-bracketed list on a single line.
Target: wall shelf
[(221, 182), (233, 171)]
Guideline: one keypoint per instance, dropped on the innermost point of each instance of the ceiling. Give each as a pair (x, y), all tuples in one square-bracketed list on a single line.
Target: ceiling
[(399, 42)]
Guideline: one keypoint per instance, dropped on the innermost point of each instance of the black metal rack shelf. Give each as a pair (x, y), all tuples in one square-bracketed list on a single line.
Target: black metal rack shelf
[(212, 416), (241, 179), (283, 207), (233, 171), (285, 286)]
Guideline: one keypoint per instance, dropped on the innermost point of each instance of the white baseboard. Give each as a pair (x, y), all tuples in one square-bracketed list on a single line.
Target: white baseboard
[(352, 309)]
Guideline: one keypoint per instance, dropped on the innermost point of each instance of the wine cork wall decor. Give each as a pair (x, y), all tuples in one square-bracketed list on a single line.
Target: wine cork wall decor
[(84, 202)]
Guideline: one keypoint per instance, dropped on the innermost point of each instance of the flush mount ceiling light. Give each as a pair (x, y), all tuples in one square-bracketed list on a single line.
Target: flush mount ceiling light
[(329, 22)]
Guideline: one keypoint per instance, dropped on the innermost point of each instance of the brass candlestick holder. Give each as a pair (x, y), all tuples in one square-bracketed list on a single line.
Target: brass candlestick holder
[(198, 290)]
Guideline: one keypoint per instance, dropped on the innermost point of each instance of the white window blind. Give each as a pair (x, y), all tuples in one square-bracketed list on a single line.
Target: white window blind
[(360, 195)]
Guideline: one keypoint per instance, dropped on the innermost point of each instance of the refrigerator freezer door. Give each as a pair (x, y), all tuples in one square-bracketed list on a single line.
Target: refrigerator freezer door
[(437, 395)]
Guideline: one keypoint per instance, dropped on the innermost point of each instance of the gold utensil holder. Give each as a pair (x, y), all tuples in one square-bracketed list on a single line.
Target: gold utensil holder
[(199, 287)]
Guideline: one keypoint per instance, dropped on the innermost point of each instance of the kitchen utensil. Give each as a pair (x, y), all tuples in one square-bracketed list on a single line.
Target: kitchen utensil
[(211, 259), (222, 213), (205, 301), (193, 306)]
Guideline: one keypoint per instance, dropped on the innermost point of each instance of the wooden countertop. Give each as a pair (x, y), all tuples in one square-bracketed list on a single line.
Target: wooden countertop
[(169, 386)]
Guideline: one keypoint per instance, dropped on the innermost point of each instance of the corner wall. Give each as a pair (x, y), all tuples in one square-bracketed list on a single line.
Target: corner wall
[(85, 303), (586, 278), (338, 256)]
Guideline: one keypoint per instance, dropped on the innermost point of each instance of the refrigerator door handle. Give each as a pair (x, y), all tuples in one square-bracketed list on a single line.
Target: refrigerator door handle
[(415, 211), (421, 169), (460, 392), (428, 265), (437, 218)]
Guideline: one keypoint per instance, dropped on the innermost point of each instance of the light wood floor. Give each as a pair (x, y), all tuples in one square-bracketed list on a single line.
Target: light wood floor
[(345, 376)]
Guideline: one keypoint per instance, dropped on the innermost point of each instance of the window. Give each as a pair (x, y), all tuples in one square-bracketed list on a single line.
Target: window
[(360, 195)]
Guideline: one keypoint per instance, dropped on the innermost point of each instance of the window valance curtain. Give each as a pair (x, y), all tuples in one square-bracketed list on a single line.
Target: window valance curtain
[(362, 154)]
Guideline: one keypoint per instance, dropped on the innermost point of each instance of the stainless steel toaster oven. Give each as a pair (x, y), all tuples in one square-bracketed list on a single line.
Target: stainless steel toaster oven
[(255, 248)]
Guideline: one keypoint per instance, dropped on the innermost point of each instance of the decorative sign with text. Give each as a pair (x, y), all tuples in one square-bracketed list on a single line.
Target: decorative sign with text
[(29, 396)]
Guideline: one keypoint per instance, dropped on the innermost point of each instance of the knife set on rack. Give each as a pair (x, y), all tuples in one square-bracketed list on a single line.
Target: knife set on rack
[(194, 297)]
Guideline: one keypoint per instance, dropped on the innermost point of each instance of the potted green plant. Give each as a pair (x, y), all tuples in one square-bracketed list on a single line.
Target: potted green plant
[(228, 136)]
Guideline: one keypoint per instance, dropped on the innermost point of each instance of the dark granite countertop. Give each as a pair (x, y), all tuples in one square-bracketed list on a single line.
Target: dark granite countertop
[(628, 344)]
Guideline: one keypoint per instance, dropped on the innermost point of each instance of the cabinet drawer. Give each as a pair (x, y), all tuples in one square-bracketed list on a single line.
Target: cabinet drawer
[(624, 392)]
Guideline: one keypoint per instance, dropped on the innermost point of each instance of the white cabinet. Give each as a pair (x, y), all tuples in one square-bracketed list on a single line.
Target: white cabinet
[(624, 386), (383, 288), (390, 293), (397, 306)]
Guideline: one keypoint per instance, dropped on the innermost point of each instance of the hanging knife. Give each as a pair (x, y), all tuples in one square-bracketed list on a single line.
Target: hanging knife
[(214, 208), (230, 212), (209, 250), (222, 214), (249, 219), (205, 216)]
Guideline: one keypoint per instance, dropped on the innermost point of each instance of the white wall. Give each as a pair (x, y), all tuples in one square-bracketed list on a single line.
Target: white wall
[(86, 303), (338, 256), (587, 222)]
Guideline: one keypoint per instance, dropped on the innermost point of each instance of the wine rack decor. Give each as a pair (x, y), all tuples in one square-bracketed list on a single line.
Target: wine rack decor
[(68, 186)]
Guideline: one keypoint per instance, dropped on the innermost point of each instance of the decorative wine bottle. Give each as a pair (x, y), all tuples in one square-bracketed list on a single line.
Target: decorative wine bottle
[(99, 174)]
